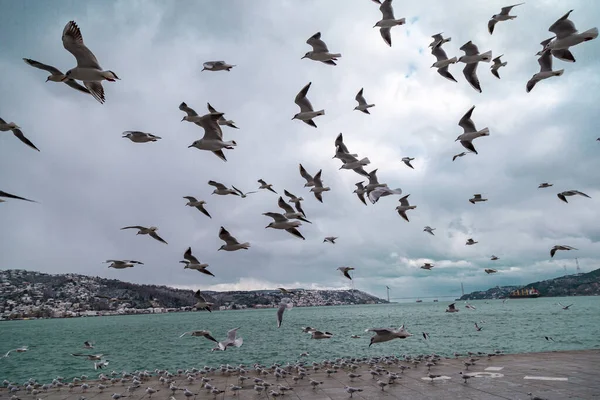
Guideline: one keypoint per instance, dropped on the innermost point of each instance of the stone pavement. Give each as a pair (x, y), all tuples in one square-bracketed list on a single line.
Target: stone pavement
[(552, 376)]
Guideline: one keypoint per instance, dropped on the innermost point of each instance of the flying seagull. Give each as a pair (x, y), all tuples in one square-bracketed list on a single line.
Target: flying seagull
[(407, 160), (472, 58), (202, 304), (470, 132), (477, 327), (330, 239), (427, 266), (382, 191), (545, 62), (490, 271), (265, 185), (281, 222), (202, 333), (320, 52), (443, 62), (567, 35), (192, 262), (231, 340), (387, 334), (346, 271), (497, 65), (147, 231), (470, 242), (545, 185), (318, 189), (122, 264), (563, 306), (21, 349), (231, 243), (452, 308), (140, 137), (429, 230), (216, 66), (563, 195), (308, 177), (388, 21), (360, 192), (222, 120), (296, 200), (494, 258), (438, 39), (560, 247), (221, 189), (12, 196), (88, 69), (213, 135), (404, 207), (307, 112), (290, 213), (362, 103), (198, 204), (16, 130), (458, 155), (503, 16), (283, 305), (477, 199), (57, 76), (242, 194), (563, 54)]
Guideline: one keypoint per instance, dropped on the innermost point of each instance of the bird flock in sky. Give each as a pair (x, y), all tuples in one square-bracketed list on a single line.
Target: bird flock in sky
[(87, 77)]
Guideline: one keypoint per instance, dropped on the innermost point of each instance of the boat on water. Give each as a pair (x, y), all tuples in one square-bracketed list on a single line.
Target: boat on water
[(524, 293), (435, 301), (419, 301)]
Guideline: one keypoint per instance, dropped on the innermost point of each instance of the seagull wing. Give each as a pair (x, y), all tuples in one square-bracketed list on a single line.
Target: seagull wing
[(470, 73), (468, 145), (231, 334), (225, 236), (299, 208), (295, 232), (218, 185), (284, 205), (22, 138), (276, 216), (302, 101), (155, 236), (470, 49), (387, 10), (188, 256), (467, 123), (305, 174), (386, 35), (93, 88), (563, 27), (359, 97), (280, 311), (446, 74), (317, 44), (37, 64), (439, 53), (73, 43), (189, 111), (211, 109), (210, 123), (491, 24)]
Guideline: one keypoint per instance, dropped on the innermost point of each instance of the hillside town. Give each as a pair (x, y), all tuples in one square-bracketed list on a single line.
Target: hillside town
[(32, 295)]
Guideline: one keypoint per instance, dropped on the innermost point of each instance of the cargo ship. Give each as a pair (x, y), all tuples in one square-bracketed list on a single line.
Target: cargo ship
[(525, 293)]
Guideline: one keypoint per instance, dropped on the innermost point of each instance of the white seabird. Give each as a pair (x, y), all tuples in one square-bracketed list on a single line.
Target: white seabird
[(545, 185), (192, 262), (213, 135), (346, 271), (490, 271), (140, 137), (296, 200), (147, 231), (407, 160), (562, 54), (285, 304), (243, 195), (360, 192), (545, 62), (308, 177), (470, 242), (201, 303), (497, 65), (121, 264), (88, 69), (198, 204), (563, 195), (320, 335), (307, 112), (16, 130), (404, 207), (477, 199), (222, 120), (318, 189), (290, 213), (281, 222), (427, 266), (216, 66), (330, 239), (231, 243), (373, 182), (567, 35), (57, 76), (472, 58), (429, 229), (387, 334), (439, 39), (470, 132), (388, 21), (265, 185), (560, 247), (231, 340), (382, 191), (443, 62), (503, 16), (362, 103), (21, 349), (221, 189), (320, 52)]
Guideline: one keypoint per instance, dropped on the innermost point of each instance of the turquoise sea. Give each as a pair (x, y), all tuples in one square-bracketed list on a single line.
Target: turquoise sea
[(152, 341)]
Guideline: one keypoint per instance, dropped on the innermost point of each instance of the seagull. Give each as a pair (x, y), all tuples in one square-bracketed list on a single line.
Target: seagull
[(476, 199), (532, 397), (16, 130), (88, 69), (192, 262), (425, 335), (318, 189), (548, 338), (213, 135), (472, 58), (308, 177), (320, 52), (307, 112), (503, 16), (100, 365), (12, 196), (382, 191), (290, 213), (545, 185), (362, 103), (497, 65), (351, 390), (296, 200), (91, 357), (429, 229), (470, 131), (360, 192), (281, 222), (546, 71), (330, 239), (340, 148), (407, 160), (57, 76), (563, 54), (216, 66), (458, 155), (494, 258), (438, 39), (567, 35), (121, 264), (451, 308), (388, 21), (221, 189), (320, 335), (21, 349), (373, 182), (231, 340), (353, 163), (564, 307), (199, 204), (490, 271), (387, 334), (202, 304), (242, 194), (346, 271), (560, 247), (88, 345), (470, 242), (222, 120), (443, 62), (563, 195), (146, 231), (404, 207), (265, 185), (285, 304), (140, 137), (427, 266), (231, 243), (467, 305), (203, 333)]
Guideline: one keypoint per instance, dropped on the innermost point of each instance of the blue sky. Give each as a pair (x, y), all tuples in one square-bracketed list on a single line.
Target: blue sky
[(90, 182)]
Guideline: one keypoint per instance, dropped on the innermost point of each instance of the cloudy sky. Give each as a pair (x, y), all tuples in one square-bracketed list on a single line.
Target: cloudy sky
[(90, 182)]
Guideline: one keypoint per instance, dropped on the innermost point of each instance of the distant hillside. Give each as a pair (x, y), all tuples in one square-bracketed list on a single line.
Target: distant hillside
[(587, 284), (34, 294)]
